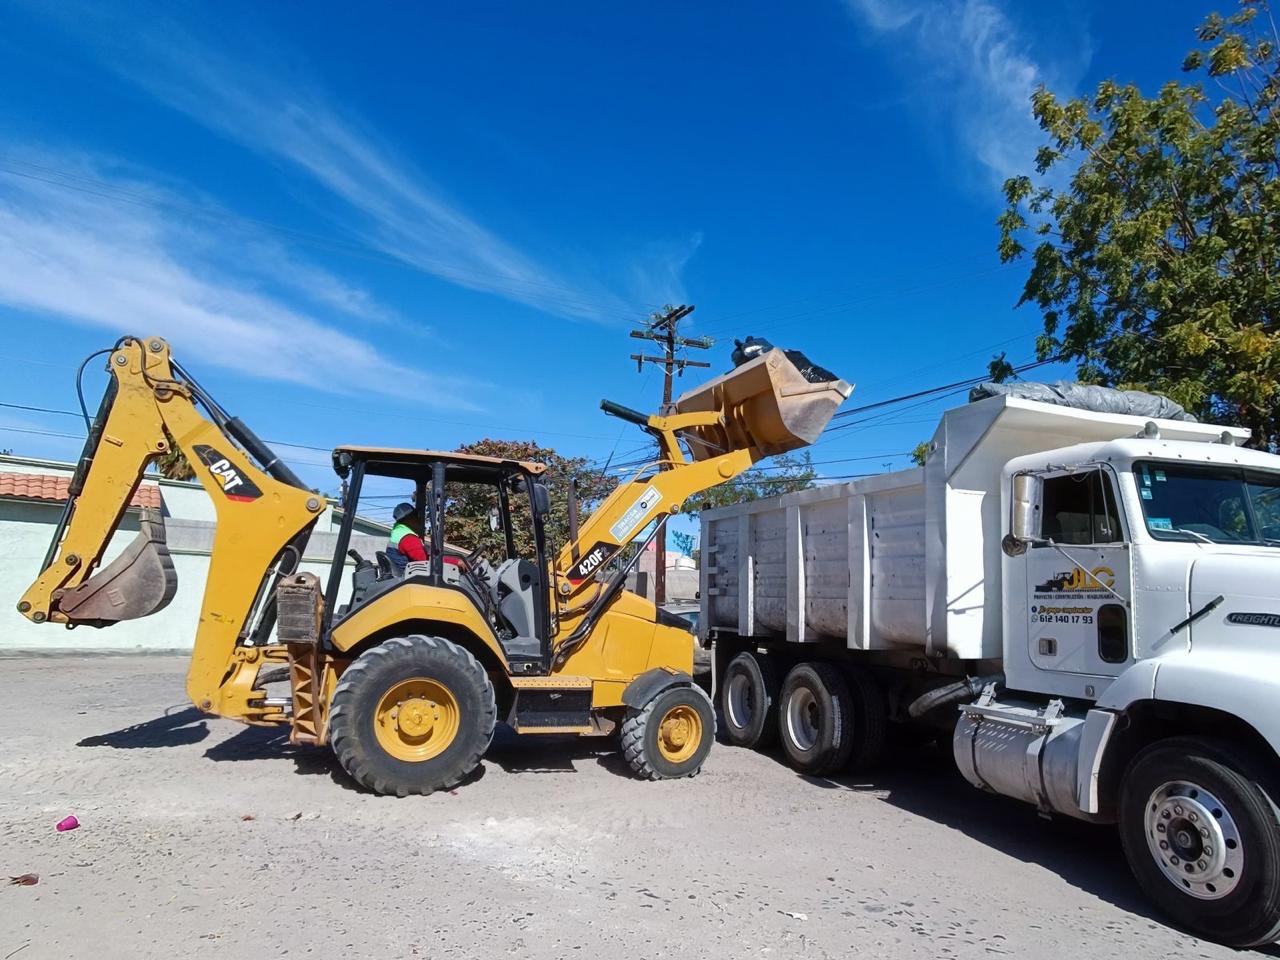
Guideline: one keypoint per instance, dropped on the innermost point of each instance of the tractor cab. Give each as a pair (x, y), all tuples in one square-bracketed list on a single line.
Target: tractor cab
[(481, 521)]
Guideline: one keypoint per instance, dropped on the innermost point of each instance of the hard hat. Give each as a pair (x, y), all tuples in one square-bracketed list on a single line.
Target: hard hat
[(403, 511)]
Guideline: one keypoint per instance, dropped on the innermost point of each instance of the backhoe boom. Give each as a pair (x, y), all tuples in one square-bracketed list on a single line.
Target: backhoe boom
[(262, 523)]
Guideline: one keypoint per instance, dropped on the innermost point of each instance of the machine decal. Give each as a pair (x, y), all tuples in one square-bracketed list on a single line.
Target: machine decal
[(635, 514), (1254, 619), (234, 484), (589, 562), (1078, 580)]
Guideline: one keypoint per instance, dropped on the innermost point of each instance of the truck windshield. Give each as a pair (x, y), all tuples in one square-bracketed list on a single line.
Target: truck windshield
[(1202, 502)]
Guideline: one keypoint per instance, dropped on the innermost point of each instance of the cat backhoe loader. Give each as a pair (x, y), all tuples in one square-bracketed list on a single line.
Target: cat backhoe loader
[(405, 675)]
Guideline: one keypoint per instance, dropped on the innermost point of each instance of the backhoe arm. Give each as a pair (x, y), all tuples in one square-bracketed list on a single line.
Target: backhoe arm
[(263, 520)]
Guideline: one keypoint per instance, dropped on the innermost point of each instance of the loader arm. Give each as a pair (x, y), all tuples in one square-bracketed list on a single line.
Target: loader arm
[(264, 517), (762, 408)]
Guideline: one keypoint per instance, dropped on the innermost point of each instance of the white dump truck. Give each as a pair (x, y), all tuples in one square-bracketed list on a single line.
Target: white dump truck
[(1086, 603)]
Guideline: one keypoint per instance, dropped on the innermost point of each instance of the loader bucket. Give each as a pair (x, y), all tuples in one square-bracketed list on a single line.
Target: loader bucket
[(138, 583), (766, 403)]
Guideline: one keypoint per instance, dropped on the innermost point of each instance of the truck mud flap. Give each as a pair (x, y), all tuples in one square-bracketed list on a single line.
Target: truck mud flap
[(138, 583)]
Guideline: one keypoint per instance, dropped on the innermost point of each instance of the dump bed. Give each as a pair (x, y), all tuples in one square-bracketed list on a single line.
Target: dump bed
[(906, 560)]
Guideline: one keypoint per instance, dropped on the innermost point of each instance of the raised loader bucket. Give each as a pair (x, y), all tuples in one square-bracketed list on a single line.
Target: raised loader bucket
[(766, 403), (139, 582)]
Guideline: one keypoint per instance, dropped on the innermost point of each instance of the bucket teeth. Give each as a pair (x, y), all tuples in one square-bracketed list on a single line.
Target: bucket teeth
[(766, 403), (138, 583)]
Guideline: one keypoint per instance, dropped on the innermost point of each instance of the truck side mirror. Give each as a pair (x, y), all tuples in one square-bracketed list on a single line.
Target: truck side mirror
[(1023, 528), (495, 519)]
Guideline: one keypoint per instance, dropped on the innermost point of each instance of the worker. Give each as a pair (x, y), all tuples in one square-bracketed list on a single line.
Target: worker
[(406, 542)]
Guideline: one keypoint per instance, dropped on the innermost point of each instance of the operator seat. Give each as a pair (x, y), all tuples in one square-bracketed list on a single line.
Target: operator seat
[(515, 588)]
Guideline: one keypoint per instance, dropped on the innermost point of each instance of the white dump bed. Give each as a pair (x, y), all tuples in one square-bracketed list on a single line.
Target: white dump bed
[(901, 560)]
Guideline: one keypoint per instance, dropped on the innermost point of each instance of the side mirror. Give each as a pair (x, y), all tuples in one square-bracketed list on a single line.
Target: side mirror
[(1023, 514), (495, 519), (541, 500)]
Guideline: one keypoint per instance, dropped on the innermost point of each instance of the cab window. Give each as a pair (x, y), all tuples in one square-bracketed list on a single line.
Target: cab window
[(1080, 508)]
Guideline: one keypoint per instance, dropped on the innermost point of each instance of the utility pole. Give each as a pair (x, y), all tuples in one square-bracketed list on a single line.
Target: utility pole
[(662, 329)]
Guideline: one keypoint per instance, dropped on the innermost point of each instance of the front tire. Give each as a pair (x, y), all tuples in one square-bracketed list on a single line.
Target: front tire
[(671, 735), (749, 700), (1203, 839), (412, 715)]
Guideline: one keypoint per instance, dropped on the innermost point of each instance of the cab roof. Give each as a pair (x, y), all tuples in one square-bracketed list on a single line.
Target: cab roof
[(398, 461)]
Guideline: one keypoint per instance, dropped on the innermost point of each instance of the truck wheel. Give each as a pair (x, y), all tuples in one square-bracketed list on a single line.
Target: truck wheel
[(749, 700), (1203, 839), (815, 718), (671, 735), (412, 715), (870, 721)]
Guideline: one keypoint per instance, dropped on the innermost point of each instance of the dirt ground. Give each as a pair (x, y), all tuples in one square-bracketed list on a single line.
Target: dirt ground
[(205, 835)]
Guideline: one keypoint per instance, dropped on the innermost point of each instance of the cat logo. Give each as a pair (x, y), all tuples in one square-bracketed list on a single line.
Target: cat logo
[(1079, 580), (591, 561), (235, 485)]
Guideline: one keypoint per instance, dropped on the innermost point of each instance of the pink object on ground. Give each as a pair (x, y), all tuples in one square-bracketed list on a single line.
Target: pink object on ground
[(68, 823)]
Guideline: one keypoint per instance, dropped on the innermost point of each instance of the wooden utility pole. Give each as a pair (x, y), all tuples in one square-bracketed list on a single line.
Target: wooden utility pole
[(661, 328)]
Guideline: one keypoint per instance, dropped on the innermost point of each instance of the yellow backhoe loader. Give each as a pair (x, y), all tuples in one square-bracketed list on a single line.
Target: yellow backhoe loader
[(407, 676)]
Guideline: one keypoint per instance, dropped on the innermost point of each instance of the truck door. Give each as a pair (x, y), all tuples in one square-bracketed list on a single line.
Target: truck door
[(1079, 578)]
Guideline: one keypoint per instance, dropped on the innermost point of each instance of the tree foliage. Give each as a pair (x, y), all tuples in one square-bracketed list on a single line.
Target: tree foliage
[(684, 542), (783, 474), (1154, 229), (467, 510)]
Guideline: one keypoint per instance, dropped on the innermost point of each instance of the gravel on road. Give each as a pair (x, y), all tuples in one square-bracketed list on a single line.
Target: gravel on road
[(198, 833)]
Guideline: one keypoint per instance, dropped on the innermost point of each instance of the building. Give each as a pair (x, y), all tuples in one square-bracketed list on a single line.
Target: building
[(682, 575), (32, 496)]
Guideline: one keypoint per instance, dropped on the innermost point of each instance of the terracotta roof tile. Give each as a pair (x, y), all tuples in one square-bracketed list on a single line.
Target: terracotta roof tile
[(51, 487)]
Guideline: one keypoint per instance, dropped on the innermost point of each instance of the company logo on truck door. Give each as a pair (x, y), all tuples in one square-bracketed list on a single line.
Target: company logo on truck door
[(589, 563), (234, 484), (1079, 580), (1254, 619)]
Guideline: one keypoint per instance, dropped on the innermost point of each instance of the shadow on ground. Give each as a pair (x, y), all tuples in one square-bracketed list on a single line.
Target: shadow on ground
[(178, 727), (922, 780)]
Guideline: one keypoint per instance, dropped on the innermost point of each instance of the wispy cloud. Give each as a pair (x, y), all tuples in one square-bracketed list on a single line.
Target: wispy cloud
[(974, 68), (386, 201), (83, 255)]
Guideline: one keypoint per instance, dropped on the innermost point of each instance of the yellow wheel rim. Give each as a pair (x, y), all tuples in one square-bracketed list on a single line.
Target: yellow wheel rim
[(417, 719), (679, 733)]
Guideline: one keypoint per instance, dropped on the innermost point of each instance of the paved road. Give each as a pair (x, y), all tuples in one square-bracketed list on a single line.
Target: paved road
[(551, 851)]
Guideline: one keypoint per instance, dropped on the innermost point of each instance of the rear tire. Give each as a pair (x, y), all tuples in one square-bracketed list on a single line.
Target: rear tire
[(749, 700), (671, 735), (870, 721), (1203, 839), (816, 718), (411, 716)]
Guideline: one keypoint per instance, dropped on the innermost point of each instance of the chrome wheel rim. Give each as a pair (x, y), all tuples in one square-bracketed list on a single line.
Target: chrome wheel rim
[(802, 719), (1194, 839), (739, 701)]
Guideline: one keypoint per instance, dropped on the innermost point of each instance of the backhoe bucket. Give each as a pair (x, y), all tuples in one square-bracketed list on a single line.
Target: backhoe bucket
[(136, 584), (766, 403)]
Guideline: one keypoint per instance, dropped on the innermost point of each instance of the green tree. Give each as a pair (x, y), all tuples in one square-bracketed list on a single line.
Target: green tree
[(1154, 227), (684, 542), (920, 453), (467, 512), (783, 474)]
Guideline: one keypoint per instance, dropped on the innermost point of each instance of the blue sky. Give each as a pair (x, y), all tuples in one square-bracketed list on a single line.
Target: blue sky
[(418, 225)]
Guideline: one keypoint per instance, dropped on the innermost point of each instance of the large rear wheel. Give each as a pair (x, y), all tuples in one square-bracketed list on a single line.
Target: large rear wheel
[(816, 718), (1203, 839), (749, 700), (412, 715)]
